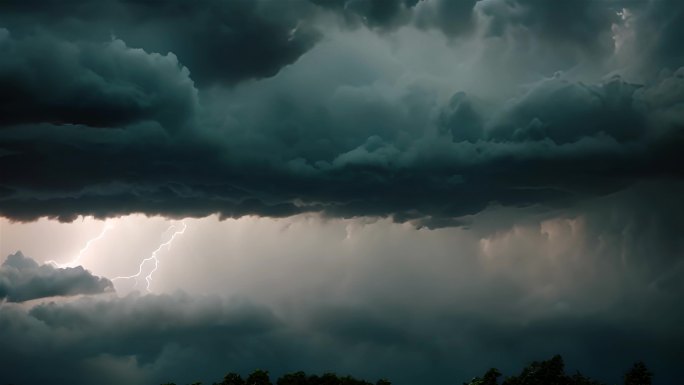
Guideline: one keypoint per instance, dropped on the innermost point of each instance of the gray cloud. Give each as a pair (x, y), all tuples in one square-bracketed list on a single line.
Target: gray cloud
[(653, 30), (384, 15), (76, 335), (551, 135), (603, 137), (220, 41), (376, 299), (464, 316), (580, 22), (48, 80), (347, 130), (22, 279), (451, 17)]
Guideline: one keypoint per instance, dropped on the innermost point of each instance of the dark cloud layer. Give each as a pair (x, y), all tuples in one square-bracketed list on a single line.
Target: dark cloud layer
[(583, 22), (221, 41), (552, 131), (95, 125), (22, 279), (153, 339), (599, 283), (556, 142), (381, 14), (658, 30), (48, 80)]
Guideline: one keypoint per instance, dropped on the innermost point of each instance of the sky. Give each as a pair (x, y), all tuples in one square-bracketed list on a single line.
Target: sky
[(416, 190)]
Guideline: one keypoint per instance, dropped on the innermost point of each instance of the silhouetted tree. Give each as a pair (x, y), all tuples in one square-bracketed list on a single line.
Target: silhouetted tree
[(232, 379), (489, 378), (261, 377), (329, 379), (638, 375), (550, 372), (297, 378), (258, 377), (579, 379)]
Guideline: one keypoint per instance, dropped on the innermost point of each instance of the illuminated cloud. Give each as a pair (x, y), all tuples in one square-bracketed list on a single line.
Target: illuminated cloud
[(22, 279), (412, 189)]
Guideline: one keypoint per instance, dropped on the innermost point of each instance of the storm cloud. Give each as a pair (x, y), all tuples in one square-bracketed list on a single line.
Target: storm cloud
[(603, 137), (315, 295), (23, 279), (51, 81), (221, 41), (143, 116), (152, 339), (418, 190)]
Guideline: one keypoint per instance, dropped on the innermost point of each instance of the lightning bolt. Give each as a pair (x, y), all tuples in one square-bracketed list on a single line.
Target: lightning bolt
[(153, 258), (76, 260)]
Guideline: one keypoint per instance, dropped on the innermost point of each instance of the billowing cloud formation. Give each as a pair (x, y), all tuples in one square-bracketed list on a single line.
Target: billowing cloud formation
[(116, 335), (549, 132), (583, 22), (52, 81), (22, 279), (386, 300), (359, 124), (221, 41), (382, 14)]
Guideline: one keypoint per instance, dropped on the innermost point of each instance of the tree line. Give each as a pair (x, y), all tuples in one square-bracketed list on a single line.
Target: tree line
[(552, 372), (261, 377), (548, 372)]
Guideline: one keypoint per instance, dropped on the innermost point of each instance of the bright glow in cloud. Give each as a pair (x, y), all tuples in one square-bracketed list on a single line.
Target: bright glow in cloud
[(76, 261)]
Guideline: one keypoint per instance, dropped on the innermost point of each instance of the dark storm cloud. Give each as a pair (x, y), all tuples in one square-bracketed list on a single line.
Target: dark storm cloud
[(558, 141), (153, 339), (579, 22), (100, 127), (22, 279), (451, 17), (384, 14), (146, 328), (47, 80), (658, 31), (564, 112), (220, 41), (550, 36), (585, 282)]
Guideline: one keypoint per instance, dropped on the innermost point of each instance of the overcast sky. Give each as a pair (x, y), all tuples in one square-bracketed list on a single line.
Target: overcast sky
[(417, 190)]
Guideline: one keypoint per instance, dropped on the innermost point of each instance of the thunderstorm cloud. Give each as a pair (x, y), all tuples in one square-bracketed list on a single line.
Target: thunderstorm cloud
[(413, 189), (305, 297), (23, 279), (134, 114)]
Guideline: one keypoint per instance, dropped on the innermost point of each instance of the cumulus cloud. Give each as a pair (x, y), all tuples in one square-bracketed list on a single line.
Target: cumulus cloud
[(583, 22), (602, 136), (23, 279), (386, 300), (49, 80), (78, 336), (648, 35), (384, 15), (451, 17), (359, 125), (550, 135), (220, 41)]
